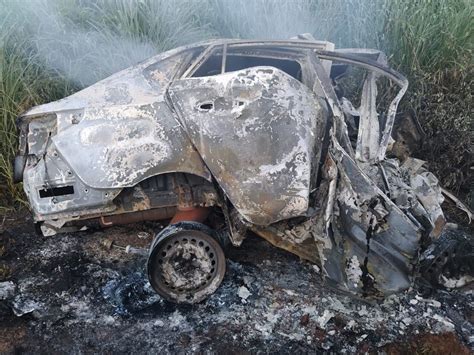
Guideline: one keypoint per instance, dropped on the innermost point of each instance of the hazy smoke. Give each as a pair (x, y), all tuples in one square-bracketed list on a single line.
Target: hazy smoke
[(276, 19), (87, 40), (83, 55), (345, 22)]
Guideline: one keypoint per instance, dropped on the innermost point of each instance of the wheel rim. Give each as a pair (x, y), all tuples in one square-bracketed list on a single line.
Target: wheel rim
[(186, 267)]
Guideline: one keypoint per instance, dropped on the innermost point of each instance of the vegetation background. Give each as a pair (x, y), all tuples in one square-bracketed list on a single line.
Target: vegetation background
[(52, 48)]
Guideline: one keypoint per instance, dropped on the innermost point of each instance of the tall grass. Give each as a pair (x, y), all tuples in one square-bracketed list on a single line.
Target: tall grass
[(432, 42), (430, 36), (51, 48), (23, 84)]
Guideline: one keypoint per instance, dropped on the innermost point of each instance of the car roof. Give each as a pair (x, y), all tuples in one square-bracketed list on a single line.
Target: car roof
[(298, 43)]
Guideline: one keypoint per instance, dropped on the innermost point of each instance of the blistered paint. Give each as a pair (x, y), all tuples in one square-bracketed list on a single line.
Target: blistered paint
[(262, 153), (119, 146)]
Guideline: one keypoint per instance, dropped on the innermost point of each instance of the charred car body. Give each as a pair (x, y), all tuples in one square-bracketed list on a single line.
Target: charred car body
[(242, 135)]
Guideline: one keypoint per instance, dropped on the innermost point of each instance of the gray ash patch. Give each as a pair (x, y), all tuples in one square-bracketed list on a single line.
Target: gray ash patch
[(73, 296)]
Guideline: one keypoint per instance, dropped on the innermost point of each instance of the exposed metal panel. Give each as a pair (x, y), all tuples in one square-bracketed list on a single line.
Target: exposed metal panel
[(257, 130), (369, 128), (118, 146)]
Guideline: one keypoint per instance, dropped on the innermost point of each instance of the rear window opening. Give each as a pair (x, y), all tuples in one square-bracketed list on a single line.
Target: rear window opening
[(213, 65), (56, 191)]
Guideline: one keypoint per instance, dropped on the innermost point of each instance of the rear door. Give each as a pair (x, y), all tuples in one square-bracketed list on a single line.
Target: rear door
[(256, 129)]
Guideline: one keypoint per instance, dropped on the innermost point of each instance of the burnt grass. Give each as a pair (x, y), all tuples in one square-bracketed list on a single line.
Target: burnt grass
[(73, 295)]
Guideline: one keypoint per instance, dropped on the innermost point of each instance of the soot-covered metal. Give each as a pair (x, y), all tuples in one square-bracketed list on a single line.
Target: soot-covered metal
[(230, 136)]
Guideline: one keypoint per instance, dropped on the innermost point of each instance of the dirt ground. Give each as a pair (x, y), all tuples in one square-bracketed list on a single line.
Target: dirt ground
[(68, 293)]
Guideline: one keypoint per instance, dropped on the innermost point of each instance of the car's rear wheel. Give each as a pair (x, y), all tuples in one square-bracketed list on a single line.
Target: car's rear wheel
[(186, 263)]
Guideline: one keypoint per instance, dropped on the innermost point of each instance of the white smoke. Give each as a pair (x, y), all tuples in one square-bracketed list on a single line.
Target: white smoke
[(346, 22), (86, 40)]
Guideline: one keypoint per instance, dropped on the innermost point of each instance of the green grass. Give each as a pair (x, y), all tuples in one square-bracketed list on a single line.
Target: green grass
[(23, 84), (50, 49)]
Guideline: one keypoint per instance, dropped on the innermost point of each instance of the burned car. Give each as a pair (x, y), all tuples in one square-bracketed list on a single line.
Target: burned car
[(230, 136)]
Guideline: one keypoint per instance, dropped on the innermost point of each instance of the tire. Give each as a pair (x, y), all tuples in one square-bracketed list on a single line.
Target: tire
[(186, 263)]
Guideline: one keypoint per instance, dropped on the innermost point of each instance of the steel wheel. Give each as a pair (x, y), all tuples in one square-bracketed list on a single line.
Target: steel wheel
[(186, 264)]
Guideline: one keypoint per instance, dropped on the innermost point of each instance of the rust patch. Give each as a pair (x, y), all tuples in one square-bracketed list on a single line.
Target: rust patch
[(195, 214)]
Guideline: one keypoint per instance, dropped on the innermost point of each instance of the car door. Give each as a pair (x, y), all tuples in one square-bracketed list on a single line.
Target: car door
[(257, 130)]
